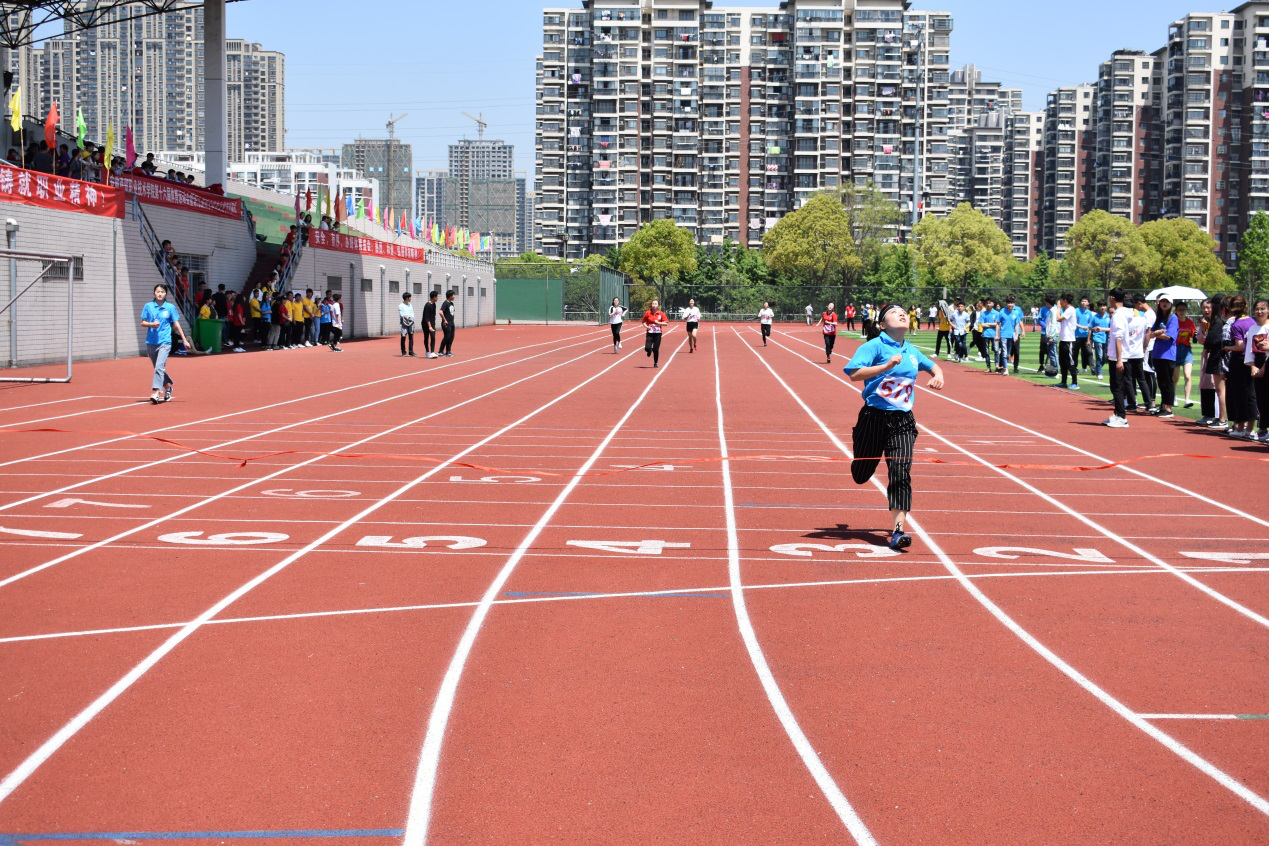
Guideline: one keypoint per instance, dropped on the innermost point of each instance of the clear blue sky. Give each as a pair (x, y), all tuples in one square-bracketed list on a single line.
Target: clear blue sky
[(350, 64)]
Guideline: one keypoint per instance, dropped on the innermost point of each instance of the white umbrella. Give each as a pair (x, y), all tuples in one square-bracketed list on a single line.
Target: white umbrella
[(1176, 293)]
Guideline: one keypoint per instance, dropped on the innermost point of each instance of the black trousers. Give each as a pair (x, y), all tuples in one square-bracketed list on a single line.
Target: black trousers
[(335, 335), (1086, 352), (944, 335), (652, 346), (1066, 361), (850, 324), (1165, 373), (429, 338), (407, 332), (890, 433), (829, 342), (1132, 377), (616, 333), (447, 339), (1207, 402), (766, 333)]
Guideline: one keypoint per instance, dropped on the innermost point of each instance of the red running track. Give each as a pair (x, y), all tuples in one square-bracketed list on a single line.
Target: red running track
[(385, 650)]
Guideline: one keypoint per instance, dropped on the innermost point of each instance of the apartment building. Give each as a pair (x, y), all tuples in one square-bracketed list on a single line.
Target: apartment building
[(725, 119), (429, 194), (970, 100), (1068, 164), (980, 167), (1126, 103), (388, 161), (147, 73), (1023, 182), (1250, 163), (481, 193)]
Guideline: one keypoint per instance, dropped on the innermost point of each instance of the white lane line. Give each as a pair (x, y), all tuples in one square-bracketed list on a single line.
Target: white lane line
[(841, 805), (28, 766), (1127, 468), (1188, 716), (424, 791), (277, 473), (133, 404), (662, 592), (283, 403), (1172, 744), (1092, 524), (53, 402)]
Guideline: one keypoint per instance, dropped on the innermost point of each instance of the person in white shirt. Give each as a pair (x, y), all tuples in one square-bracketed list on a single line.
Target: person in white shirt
[(692, 317), (810, 314), (933, 317), (1066, 319), (336, 322), (1116, 355), (765, 316), (616, 314), (1143, 319), (406, 311), (960, 329)]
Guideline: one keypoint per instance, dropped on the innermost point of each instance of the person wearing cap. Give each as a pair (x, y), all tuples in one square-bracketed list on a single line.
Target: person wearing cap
[(888, 366)]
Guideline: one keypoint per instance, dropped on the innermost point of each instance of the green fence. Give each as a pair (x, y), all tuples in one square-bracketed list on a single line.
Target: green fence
[(540, 292)]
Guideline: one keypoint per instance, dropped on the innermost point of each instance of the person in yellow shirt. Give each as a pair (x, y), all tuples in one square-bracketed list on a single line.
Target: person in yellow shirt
[(258, 326), (945, 332), (297, 321), (310, 318)]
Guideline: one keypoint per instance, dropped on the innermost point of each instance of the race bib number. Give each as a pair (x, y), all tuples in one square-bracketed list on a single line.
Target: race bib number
[(897, 391), (654, 329), (830, 328)]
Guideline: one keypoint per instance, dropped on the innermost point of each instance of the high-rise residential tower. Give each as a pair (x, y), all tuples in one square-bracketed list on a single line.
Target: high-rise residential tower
[(1068, 163)]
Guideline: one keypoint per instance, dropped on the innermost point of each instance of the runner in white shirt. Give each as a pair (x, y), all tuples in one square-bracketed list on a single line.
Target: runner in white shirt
[(616, 314), (693, 319), (765, 316)]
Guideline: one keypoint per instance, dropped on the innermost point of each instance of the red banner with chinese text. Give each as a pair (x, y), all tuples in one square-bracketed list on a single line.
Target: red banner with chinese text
[(161, 192), (44, 190), (325, 240)]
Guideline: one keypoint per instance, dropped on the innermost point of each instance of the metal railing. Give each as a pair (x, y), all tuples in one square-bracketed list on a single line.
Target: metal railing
[(180, 297)]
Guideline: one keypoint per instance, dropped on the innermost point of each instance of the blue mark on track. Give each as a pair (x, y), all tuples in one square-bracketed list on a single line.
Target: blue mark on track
[(20, 839)]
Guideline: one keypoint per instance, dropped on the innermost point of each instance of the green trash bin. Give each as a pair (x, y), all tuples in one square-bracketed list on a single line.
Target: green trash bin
[(208, 334)]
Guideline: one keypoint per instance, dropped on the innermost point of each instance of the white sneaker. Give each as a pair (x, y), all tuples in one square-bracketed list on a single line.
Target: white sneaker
[(1117, 423), (308, 343), (1075, 386)]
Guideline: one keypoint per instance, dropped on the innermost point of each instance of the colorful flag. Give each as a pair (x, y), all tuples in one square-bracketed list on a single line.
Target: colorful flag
[(297, 207), (50, 127), (81, 128), (110, 146), (339, 207), (308, 200), (361, 208), (15, 110), (348, 205), (130, 149), (325, 201)]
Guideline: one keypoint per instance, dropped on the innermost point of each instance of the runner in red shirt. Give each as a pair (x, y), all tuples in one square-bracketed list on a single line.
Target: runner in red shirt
[(1186, 331), (849, 313), (829, 321), (654, 321)]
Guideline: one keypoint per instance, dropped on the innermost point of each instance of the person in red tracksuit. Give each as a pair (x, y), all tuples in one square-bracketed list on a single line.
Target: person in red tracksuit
[(849, 314), (829, 321)]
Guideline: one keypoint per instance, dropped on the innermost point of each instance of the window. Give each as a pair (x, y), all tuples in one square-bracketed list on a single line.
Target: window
[(471, 292), (367, 286), (334, 283), (394, 287)]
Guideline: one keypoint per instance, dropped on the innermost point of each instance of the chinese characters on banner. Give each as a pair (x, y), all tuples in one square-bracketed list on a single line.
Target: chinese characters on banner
[(325, 240), (55, 192), (177, 196)]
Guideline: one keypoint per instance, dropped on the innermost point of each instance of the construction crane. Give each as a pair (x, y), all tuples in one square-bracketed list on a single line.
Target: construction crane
[(481, 124), (392, 134)]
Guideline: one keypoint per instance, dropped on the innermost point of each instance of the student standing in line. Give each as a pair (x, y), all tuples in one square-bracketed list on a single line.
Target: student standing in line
[(309, 307), (945, 334), (336, 322), (829, 320), (976, 328), (960, 328), (989, 320), (1239, 390), (1149, 384), (1116, 348), (405, 311), (1256, 357), (1134, 359), (1066, 319), (765, 316), (1214, 329), (693, 319), (1010, 323), (159, 318), (447, 327), (810, 314), (849, 312), (1164, 333), (1185, 332), (654, 322), (888, 366), (429, 326), (323, 321), (1098, 325), (1083, 326), (1042, 325)]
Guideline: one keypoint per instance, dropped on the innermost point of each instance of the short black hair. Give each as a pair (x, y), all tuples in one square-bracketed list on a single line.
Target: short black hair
[(1116, 294), (451, 293), (1050, 300), (433, 295), (1010, 298), (406, 295)]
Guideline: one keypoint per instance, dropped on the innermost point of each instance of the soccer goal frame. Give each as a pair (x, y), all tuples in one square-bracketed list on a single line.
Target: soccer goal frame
[(9, 311)]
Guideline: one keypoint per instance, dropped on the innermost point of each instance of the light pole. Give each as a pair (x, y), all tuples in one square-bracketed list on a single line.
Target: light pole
[(917, 30)]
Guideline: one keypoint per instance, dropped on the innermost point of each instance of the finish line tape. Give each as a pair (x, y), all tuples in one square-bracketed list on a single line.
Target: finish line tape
[(818, 459)]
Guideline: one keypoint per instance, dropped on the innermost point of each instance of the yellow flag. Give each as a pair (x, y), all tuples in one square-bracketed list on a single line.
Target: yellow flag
[(110, 146), (15, 108)]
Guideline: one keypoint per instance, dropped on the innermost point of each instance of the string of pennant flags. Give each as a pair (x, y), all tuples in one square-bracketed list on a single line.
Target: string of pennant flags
[(340, 207)]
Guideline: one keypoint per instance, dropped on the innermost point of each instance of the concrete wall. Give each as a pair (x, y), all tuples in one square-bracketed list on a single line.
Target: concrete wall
[(372, 288)]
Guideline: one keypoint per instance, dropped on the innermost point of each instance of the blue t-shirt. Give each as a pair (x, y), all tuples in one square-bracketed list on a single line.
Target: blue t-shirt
[(894, 389), (1100, 324), (1165, 348), (1010, 320), (325, 316), (986, 317), (1042, 322), (1083, 317), (166, 315)]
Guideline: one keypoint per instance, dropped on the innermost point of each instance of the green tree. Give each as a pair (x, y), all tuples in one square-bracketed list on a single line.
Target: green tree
[(953, 248), (874, 224), (1105, 250), (1187, 255), (534, 258), (814, 243), (892, 281), (658, 254), (1253, 253)]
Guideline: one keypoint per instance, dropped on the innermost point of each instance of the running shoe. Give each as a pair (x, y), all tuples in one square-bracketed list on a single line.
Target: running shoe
[(900, 539), (1189, 404), (1117, 422), (1203, 421), (167, 395), (1075, 386), (154, 398), (1218, 425), (1164, 415)]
